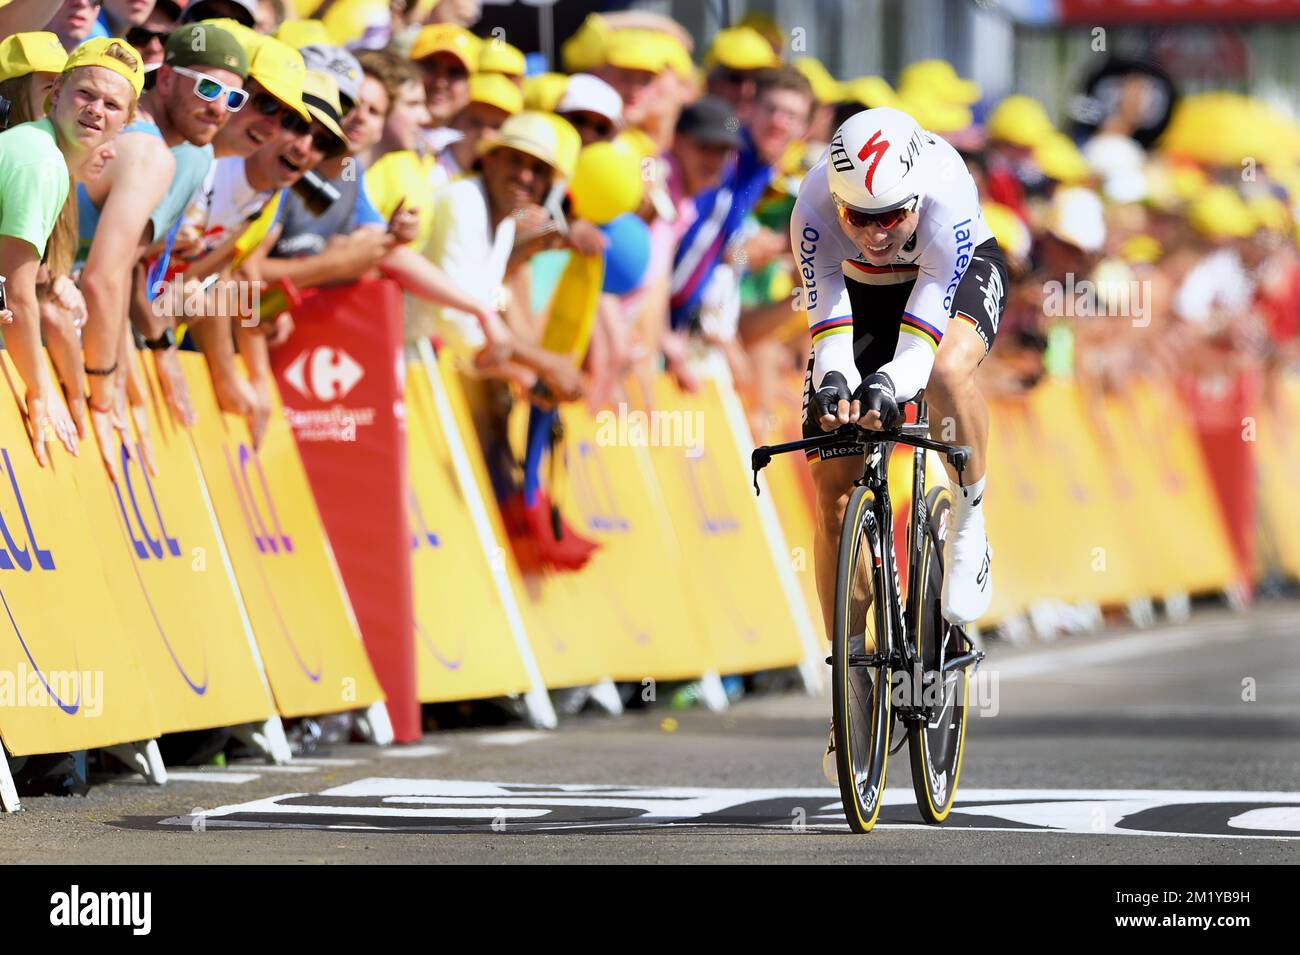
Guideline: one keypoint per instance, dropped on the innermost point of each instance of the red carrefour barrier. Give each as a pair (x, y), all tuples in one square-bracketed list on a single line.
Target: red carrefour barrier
[(341, 382)]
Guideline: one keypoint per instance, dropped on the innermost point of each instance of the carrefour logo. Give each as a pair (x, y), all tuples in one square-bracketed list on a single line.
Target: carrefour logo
[(323, 373)]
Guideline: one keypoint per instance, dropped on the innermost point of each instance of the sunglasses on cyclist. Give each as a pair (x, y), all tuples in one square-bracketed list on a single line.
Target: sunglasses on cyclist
[(290, 120), (139, 37), (209, 89), (884, 220)]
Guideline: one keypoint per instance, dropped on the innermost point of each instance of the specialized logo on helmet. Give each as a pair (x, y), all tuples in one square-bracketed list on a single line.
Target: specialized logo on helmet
[(877, 151), (839, 155)]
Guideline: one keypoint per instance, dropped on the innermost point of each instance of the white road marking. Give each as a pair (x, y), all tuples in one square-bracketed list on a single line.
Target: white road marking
[(413, 752), (445, 804), (512, 738), (191, 776), (1277, 819)]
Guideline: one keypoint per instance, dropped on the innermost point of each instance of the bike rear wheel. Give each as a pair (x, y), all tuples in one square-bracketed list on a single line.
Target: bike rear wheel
[(861, 717), (936, 745)]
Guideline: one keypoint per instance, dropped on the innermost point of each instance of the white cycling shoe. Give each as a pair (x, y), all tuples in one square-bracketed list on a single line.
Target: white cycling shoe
[(967, 578)]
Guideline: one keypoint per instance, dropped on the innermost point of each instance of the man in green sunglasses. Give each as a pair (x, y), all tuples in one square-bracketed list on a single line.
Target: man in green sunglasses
[(162, 159)]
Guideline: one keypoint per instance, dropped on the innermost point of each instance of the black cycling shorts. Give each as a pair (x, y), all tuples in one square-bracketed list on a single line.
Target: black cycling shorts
[(980, 299)]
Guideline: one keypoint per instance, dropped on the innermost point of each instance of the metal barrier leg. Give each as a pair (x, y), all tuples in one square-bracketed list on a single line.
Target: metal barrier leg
[(8, 792), (268, 737), (373, 724), (143, 757)]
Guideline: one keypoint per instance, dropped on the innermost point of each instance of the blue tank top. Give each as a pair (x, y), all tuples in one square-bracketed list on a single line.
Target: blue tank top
[(192, 163)]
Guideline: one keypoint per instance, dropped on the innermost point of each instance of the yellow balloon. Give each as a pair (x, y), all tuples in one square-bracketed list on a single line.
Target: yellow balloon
[(607, 182)]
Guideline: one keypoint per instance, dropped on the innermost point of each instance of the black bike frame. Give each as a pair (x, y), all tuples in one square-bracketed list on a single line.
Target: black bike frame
[(877, 446)]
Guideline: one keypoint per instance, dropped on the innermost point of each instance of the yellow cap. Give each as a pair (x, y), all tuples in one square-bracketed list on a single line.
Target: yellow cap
[(1142, 249), (1220, 214), (1270, 212), (279, 69), (321, 95), (635, 49), (826, 88), (940, 79), (95, 53), (357, 21), (1008, 228), (935, 114), (24, 53), (1058, 158), (765, 26), (741, 48), (677, 56), (496, 90), (871, 92), (568, 144), (1020, 120), (447, 38), (585, 50), (638, 141), (537, 134), (544, 91), (498, 56), (300, 33)]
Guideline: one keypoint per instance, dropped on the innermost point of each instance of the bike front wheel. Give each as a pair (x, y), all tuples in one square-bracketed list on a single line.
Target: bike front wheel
[(861, 719), (937, 743)]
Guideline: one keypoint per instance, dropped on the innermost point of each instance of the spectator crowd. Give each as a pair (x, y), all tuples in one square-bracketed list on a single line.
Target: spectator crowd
[(159, 155)]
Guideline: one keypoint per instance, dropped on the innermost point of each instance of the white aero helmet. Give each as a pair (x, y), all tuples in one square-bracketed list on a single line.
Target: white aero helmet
[(873, 162)]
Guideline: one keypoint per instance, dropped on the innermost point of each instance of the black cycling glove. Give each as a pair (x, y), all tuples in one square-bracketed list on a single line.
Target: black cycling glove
[(834, 389), (876, 393)]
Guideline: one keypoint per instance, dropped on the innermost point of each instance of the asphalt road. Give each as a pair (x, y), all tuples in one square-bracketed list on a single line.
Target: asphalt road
[(1177, 744)]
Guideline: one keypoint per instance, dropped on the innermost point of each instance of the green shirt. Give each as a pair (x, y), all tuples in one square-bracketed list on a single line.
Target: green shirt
[(33, 182)]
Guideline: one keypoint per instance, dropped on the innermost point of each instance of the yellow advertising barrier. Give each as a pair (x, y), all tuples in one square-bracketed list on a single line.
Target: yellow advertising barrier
[(69, 677), (1094, 557), (1203, 559), (558, 627), (309, 643), (464, 648), (734, 585), (1100, 505), (162, 553), (1277, 452), (636, 578)]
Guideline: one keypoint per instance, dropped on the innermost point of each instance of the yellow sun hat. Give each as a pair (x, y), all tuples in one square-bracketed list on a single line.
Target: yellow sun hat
[(37, 52), (1020, 120), (741, 48), (495, 89), (940, 79)]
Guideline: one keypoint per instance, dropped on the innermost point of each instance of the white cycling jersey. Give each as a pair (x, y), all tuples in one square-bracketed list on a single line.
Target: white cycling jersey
[(949, 229)]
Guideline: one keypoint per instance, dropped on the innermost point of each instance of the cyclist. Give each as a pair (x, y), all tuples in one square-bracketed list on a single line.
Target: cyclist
[(890, 244)]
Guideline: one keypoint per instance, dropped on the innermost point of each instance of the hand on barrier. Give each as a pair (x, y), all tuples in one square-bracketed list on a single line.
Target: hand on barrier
[(281, 327), (561, 378), (66, 293), (135, 395), (404, 223), (58, 328), (109, 423), (586, 238), (260, 414), (674, 347), (175, 389), (48, 419), (361, 252)]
